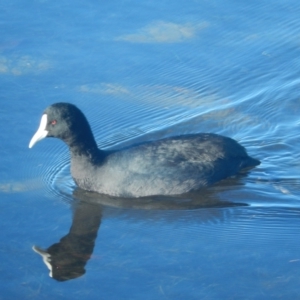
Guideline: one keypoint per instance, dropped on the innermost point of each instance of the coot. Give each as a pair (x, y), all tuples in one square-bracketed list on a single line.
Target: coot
[(168, 166)]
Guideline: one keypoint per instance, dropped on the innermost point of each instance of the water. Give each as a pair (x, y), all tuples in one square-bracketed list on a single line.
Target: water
[(144, 71)]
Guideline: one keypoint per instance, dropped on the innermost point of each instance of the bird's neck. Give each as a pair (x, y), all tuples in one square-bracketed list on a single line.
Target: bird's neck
[(85, 148)]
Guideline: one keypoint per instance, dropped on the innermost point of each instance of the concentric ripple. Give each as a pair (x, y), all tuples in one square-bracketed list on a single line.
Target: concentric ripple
[(59, 180)]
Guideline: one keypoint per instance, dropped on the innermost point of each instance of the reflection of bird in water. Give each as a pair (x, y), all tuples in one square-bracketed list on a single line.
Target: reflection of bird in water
[(169, 166), (67, 258)]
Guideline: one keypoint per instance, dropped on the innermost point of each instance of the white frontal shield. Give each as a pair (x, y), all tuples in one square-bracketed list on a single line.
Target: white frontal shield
[(41, 132)]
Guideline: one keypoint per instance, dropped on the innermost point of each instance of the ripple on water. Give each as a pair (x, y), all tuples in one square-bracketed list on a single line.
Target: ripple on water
[(51, 169), (59, 180), (278, 224)]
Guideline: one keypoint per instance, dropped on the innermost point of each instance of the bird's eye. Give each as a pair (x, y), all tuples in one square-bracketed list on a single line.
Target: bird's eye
[(53, 122)]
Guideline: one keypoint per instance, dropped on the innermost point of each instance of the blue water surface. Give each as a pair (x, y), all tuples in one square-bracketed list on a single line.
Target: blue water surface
[(139, 71)]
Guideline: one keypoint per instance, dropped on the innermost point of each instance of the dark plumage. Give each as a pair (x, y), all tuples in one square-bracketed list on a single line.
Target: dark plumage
[(168, 166)]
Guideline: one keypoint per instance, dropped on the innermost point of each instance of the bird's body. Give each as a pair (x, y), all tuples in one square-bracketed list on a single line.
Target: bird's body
[(169, 166)]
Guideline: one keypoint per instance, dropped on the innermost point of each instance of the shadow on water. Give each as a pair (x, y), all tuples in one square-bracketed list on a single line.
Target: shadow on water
[(67, 259)]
